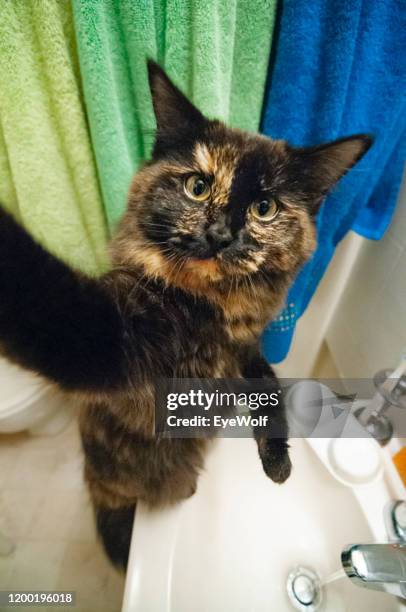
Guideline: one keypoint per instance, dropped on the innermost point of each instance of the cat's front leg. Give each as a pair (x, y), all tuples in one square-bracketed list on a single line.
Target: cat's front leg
[(56, 321), (273, 447)]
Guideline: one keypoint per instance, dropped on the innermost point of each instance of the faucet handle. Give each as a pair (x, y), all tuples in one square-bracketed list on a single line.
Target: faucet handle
[(395, 520), (391, 388)]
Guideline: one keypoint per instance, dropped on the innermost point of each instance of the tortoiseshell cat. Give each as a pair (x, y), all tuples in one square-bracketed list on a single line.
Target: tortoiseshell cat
[(218, 223)]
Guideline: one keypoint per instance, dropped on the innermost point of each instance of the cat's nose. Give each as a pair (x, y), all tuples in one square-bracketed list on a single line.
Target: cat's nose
[(218, 235)]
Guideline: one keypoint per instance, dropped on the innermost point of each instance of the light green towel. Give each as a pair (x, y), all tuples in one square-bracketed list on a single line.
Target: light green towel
[(216, 51), (47, 171)]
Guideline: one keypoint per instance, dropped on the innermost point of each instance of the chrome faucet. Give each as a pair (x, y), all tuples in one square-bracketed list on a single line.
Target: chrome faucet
[(377, 566), (381, 566)]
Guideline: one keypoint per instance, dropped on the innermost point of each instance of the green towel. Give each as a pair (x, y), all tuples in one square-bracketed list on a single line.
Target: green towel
[(216, 51), (47, 171)]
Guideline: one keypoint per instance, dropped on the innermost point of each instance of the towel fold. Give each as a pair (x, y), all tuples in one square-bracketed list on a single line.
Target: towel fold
[(47, 172), (340, 68), (217, 52)]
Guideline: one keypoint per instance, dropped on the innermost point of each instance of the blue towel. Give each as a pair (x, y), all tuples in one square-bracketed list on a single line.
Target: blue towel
[(339, 69)]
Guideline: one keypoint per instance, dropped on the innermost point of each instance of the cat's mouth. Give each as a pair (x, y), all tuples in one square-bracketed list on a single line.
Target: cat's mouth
[(208, 261), (218, 266), (207, 266)]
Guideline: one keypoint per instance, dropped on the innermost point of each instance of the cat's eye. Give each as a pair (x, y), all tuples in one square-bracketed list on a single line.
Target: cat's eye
[(265, 210), (197, 187)]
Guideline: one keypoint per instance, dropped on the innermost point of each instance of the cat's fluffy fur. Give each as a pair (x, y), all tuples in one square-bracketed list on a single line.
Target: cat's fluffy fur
[(173, 304)]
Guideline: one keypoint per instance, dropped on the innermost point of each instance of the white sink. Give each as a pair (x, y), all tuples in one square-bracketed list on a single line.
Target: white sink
[(231, 546)]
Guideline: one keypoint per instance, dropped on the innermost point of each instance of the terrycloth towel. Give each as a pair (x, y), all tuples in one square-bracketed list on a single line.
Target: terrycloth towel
[(47, 171), (217, 52), (340, 68)]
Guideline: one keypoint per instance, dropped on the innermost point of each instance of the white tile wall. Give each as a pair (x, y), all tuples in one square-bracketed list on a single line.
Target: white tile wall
[(368, 329)]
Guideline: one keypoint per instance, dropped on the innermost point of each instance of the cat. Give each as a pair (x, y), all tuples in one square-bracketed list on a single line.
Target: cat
[(218, 223)]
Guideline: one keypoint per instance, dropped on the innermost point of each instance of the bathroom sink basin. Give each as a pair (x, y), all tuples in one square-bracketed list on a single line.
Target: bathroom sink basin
[(231, 546)]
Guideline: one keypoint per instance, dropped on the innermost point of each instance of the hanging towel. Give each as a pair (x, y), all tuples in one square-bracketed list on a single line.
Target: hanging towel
[(217, 52), (47, 172), (339, 69)]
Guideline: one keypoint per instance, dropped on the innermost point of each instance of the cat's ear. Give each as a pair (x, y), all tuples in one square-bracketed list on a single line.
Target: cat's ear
[(175, 115), (320, 168)]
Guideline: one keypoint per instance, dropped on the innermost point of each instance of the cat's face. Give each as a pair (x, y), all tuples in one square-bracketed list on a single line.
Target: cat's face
[(218, 203)]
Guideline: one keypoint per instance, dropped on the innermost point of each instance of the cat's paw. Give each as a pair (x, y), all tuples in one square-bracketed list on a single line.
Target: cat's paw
[(275, 460), (191, 491), (277, 470)]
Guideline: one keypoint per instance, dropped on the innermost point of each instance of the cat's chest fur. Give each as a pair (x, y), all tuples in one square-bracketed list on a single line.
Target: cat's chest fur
[(216, 345), (198, 336), (176, 335)]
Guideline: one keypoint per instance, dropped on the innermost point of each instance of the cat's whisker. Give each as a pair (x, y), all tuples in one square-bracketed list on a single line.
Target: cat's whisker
[(147, 223), (178, 270)]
